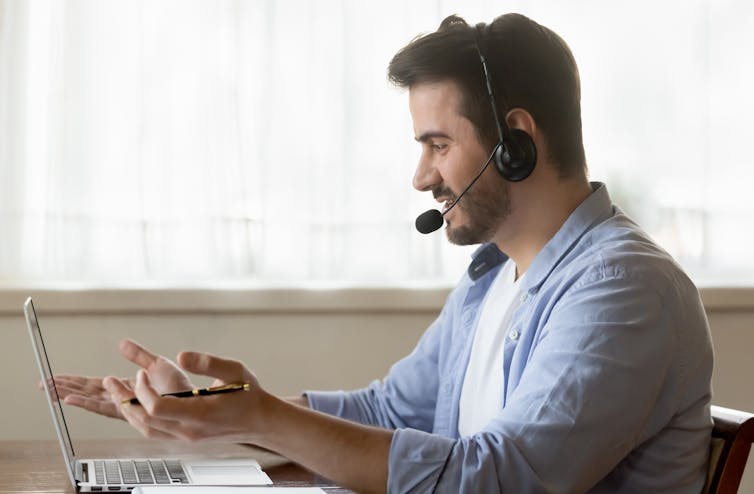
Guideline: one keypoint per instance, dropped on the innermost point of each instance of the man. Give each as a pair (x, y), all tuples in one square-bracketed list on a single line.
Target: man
[(574, 356)]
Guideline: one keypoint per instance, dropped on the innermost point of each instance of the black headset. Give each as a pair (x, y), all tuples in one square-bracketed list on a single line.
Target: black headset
[(515, 153)]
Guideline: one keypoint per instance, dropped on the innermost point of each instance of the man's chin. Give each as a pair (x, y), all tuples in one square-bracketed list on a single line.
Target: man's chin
[(463, 235)]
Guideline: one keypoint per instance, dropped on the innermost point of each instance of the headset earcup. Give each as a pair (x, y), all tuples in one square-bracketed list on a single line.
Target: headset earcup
[(516, 158)]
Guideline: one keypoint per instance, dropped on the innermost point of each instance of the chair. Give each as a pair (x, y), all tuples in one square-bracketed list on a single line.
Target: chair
[(732, 436)]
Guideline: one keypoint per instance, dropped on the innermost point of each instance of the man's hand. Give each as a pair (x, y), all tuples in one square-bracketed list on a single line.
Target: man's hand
[(226, 416), (90, 393), (351, 454)]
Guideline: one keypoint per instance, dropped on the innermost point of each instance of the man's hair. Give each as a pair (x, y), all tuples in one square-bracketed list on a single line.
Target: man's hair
[(530, 66)]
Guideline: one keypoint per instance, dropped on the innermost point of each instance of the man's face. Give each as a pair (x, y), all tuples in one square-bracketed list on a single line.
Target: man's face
[(451, 157)]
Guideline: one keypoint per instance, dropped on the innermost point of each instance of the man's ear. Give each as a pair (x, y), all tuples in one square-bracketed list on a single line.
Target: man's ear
[(518, 118)]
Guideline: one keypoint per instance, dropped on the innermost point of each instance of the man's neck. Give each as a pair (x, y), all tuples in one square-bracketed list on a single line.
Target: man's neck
[(539, 211)]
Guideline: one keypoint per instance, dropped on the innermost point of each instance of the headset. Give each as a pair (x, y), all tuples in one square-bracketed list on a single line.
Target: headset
[(515, 153)]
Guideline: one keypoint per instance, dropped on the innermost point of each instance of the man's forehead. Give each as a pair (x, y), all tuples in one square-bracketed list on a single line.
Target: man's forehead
[(445, 92), (435, 110)]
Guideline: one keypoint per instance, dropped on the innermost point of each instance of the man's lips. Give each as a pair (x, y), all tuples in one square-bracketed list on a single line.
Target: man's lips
[(446, 203), (445, 197)]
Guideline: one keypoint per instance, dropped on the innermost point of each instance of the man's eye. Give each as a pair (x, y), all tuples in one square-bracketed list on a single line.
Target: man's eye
[(439, 147)]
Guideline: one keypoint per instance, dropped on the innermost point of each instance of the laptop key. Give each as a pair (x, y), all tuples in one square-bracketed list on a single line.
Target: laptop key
[(112, 472), (144, 472), (175, 469), (128, 472), (160, 474), (99, 472)]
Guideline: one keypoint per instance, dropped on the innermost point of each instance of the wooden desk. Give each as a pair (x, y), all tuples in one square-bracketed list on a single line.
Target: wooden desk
[(37, 466)]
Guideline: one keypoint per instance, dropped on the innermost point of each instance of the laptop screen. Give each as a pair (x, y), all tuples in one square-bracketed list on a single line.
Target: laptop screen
[(46, 374)]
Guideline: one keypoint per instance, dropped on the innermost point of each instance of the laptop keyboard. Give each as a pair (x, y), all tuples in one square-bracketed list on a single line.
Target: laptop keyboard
[(139, 472)]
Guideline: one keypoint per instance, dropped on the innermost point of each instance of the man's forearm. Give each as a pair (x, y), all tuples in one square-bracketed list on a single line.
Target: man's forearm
[(351, 454)]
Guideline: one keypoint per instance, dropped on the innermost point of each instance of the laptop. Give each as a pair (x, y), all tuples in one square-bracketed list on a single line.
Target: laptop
[(125, 474)]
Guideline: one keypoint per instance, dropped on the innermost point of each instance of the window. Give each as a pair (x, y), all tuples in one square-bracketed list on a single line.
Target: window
[(184, 141)]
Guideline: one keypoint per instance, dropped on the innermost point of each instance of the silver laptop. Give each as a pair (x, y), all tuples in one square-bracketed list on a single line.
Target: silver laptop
[(108, 475)]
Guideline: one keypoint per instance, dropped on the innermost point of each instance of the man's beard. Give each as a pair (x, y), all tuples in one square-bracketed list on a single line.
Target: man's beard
[(485, 208)]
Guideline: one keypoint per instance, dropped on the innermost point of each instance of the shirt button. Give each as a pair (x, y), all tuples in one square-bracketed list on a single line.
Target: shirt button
[(513, 335), (523, 297)]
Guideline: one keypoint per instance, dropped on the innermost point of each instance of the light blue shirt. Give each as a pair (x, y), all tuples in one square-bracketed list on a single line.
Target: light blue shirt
[(607, 366)]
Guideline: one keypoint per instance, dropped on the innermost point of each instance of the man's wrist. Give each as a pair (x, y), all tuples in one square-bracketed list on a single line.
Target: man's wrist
[(264, 411)]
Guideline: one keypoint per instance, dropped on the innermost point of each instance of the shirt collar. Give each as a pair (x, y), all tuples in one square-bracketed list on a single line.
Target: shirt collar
[(595, 208), (486, 257)]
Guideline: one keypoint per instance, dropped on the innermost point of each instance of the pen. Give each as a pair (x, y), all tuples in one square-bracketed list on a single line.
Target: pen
[(226, 388)]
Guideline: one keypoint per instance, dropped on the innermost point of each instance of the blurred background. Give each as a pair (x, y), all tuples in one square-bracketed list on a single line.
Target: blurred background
[(186, 141)]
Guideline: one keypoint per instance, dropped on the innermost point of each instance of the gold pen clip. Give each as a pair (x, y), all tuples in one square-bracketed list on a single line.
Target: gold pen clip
[(228, 387)]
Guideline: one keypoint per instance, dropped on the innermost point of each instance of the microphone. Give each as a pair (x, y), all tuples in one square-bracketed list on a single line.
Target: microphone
[(431, 220)]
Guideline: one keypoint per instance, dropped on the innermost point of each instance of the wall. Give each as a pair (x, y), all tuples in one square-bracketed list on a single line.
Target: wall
[(292, 339)]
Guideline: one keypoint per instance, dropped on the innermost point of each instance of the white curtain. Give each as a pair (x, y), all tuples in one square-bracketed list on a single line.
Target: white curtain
[(188, 140), (227, 139)]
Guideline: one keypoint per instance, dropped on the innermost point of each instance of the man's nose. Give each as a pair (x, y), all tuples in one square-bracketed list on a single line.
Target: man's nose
[(426, 176)]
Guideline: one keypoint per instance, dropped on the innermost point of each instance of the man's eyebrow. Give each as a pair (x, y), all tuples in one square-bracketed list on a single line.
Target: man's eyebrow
[(431, 134)]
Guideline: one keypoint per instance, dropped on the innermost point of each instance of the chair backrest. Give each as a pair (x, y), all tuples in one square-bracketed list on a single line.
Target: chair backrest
[(732, 436)]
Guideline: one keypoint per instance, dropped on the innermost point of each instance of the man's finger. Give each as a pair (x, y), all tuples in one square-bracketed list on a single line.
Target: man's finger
[(64, 391), (79, 382), (149, 398), (146, 414), (205, 364), (118, 389), (148, 425), (73, 380), (100, 407), (137, 353)]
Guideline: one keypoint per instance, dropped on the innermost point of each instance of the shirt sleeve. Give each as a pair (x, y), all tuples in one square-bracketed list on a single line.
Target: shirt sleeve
[(600, 381), (405, 398)]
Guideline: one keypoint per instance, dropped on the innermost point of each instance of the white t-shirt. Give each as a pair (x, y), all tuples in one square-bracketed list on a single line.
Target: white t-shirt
[(482, 392)]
